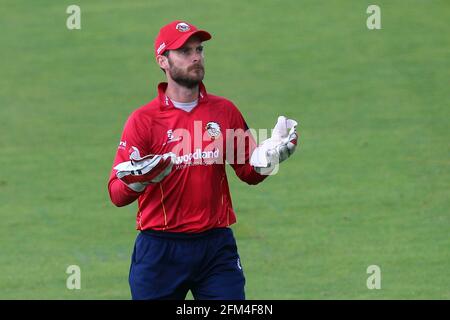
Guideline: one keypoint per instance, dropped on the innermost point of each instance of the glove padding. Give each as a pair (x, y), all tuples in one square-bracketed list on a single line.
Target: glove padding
[(141, 171), (280, 146)]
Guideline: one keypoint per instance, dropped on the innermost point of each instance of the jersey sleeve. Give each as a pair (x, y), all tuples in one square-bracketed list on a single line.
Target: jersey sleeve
[(243, 146), (134, 135)]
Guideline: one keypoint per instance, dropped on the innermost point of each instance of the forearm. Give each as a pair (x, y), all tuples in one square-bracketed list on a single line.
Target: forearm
[(120, 194), (247, 173)]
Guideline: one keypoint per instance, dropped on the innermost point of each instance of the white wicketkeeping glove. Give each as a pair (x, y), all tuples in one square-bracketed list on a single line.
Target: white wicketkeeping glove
[(141, 171), (280, 146)]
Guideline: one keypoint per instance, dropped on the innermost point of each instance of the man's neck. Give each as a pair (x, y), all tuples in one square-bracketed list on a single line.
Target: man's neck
[(181, 94)]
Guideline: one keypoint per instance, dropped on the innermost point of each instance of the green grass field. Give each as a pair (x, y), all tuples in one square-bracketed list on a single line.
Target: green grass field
[(368, 186)]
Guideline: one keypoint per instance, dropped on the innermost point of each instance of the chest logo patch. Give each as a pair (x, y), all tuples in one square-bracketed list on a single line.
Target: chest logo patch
[(213, 129)]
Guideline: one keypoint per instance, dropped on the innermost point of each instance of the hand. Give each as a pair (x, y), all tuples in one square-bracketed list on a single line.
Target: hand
[(280, 146), (141, 171)]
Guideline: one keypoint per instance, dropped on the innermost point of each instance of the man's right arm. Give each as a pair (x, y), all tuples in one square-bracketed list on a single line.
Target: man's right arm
[(133, 136), (120, 194)]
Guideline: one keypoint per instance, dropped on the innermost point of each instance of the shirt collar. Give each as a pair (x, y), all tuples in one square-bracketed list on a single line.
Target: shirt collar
[(165, 102)]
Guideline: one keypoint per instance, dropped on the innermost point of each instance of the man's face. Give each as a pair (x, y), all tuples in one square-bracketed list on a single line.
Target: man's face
[(186, 64)]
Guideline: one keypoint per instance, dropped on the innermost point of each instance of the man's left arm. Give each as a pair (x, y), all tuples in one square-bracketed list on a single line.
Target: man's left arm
[(253, 163), (241, 162), (243, 145)]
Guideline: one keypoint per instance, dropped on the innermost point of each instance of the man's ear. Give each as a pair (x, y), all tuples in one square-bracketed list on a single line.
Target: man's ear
[(162, 61)]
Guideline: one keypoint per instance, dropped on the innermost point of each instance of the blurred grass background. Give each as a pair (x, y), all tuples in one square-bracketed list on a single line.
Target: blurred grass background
[(368, 186)]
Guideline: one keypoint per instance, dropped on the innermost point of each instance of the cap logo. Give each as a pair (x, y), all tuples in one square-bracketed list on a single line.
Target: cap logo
[(183, 27), (161, 47)]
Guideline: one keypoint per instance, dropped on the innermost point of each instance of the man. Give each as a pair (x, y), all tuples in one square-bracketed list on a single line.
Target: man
[(171, 158)]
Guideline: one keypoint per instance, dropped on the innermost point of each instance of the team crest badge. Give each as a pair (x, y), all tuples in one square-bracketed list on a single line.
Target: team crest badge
[(183, 27), (213, 129)]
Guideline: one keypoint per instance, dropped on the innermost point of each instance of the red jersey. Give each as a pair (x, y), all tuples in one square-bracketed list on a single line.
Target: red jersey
[(195, 196)]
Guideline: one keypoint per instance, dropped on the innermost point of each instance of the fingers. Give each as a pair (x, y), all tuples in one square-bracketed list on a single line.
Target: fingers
[(163, 174), (283, 152), (293, 138), (148, 173), (138, 187), (291, 147), (162, 166)]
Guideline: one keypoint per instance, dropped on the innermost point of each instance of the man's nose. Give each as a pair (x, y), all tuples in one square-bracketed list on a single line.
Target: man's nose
[(197, 56)]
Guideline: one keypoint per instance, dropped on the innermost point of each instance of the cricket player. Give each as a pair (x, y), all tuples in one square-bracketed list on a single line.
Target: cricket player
[(171, 158)]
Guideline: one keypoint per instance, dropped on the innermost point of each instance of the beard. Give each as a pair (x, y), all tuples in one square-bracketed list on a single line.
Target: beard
[(189, 78)]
